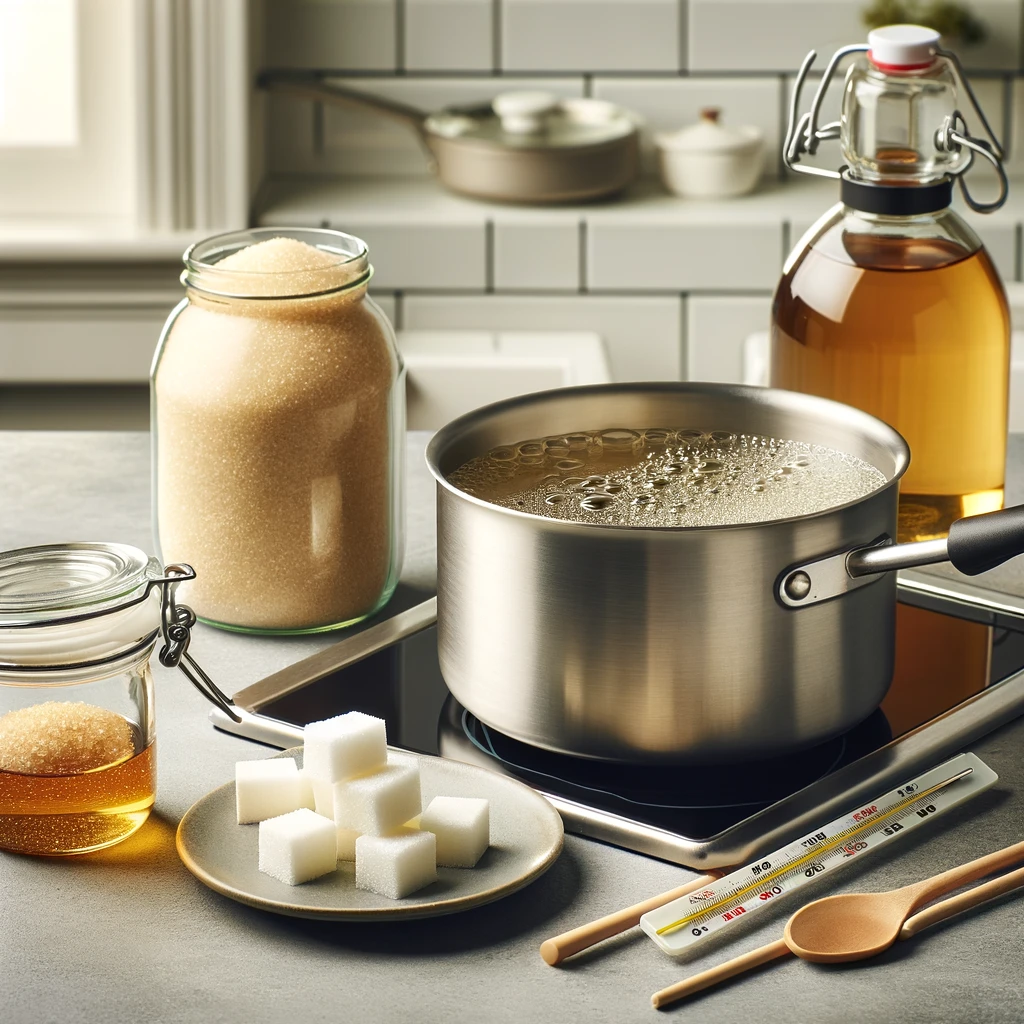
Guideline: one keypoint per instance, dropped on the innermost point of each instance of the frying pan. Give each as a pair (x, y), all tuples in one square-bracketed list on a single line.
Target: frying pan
[(524, 147)]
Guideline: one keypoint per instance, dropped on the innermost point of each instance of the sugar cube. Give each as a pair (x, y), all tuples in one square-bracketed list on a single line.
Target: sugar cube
[(395, 866), (299, 846), (323, 797), (345, 747), (268, 788), (380, 803), (306, 789), (347, 843), (462, 826)]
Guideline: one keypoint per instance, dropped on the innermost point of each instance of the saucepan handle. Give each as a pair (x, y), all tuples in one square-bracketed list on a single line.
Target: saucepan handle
[(312, 85), (979, 543), (975, 544)]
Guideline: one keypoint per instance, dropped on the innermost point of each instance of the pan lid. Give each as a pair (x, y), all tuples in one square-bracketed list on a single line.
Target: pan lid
[(536, 120), (709, 135)]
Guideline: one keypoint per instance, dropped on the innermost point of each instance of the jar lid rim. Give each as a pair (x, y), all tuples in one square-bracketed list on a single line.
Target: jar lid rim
[(48, 581)]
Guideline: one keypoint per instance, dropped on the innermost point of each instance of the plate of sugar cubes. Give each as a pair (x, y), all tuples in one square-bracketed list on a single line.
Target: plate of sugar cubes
[(347, 828)]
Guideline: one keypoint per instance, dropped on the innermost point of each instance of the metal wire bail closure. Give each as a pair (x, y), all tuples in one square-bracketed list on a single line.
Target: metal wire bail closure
[(176, 622), (803, 134), (950, 138)]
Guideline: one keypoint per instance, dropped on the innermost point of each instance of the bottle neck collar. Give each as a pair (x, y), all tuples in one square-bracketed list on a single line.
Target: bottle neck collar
[(895, 200)]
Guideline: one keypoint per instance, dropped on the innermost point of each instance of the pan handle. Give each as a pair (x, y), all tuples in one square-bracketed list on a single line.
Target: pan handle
[(312, 85), (975, 545)]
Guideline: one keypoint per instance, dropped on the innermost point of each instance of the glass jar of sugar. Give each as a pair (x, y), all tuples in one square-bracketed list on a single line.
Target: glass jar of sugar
[(278, 412), (78, 623)]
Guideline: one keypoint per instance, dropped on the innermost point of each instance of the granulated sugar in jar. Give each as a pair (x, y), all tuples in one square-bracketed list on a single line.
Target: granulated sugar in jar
[(278, 433)]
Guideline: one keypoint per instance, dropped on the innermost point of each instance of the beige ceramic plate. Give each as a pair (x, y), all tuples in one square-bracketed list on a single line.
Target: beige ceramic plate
[(526, 838)]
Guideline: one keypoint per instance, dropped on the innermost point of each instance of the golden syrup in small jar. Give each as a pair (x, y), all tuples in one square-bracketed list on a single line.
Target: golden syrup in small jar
[(78, 623), (74, 777)]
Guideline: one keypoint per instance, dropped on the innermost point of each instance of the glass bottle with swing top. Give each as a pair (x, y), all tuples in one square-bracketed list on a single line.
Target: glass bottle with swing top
[(890, 303)]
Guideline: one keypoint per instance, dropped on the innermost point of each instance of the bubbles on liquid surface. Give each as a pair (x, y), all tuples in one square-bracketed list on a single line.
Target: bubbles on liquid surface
[(657, 436), (619, 440), (660, 476)]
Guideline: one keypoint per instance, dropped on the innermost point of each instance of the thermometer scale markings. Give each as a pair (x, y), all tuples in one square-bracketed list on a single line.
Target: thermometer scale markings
[(875, 823), (815, 851)]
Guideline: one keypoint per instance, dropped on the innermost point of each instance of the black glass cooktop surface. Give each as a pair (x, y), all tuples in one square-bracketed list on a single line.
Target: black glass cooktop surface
[(944, 662)]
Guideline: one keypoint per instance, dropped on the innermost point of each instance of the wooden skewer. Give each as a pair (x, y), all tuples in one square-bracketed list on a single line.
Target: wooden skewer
[(961, 902), (555, 950), (918, 922), (746, 962)]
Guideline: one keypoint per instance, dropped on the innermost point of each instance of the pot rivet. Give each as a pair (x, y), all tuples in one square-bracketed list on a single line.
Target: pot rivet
[(797, 586)]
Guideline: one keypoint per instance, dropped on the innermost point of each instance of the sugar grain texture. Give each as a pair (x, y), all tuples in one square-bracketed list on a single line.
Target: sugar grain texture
[(63, 738)]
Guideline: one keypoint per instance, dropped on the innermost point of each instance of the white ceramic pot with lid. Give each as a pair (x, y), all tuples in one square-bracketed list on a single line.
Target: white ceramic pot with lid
[(709, 160)]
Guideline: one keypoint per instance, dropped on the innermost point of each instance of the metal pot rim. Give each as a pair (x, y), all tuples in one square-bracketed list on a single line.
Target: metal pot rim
[(810, 404)]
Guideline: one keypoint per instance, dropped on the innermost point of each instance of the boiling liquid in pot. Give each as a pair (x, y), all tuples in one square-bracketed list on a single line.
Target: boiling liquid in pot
[(666, 477)]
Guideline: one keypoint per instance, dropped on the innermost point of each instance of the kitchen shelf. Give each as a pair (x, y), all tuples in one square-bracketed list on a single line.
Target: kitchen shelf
[(428, 239)]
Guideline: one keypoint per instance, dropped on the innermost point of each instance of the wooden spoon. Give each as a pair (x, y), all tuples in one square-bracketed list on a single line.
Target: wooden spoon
[(857, 925), (940, 912)]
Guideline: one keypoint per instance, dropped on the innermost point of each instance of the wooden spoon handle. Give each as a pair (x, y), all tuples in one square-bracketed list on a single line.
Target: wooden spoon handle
[(747, 962), (939, 885), (961, 902), (555, 950)]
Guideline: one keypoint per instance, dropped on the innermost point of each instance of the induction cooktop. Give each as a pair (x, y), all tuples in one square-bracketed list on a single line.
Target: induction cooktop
[(959, 674)]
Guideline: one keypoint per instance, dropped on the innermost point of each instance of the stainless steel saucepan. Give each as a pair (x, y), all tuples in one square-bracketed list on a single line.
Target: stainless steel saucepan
[(700, 644), (522, 147)]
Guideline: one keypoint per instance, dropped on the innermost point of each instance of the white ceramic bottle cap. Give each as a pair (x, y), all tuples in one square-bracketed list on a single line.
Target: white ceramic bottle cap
[(903, 46), (523, 112)]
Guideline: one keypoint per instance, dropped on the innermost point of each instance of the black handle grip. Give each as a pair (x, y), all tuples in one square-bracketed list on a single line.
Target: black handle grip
[(979, 543)]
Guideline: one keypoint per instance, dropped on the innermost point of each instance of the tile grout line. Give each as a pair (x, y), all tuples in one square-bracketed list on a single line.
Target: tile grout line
[(489, 257), (638, 74), (1007, 131), (496, 62), (399, 37), (684, 339), (780, 163), (318, 129), (682, 57), (583, 257)]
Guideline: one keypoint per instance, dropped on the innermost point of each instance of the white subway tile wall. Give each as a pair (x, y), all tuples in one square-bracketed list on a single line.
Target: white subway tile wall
[(432, 28), (716, 329), (775, 35), (352, 34), (768, 35), (626, 268), (643, 336), (683, 255), (590, 35), (541, 254)]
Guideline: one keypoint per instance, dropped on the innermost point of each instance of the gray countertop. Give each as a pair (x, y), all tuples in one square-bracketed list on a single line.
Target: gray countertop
[(129, 933)]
